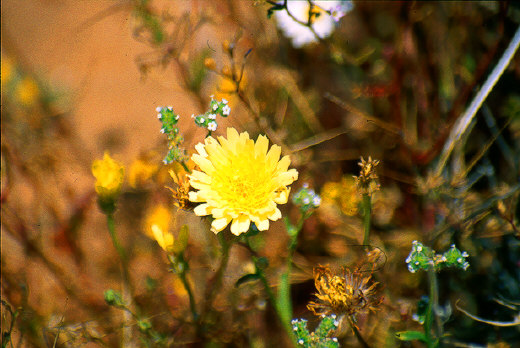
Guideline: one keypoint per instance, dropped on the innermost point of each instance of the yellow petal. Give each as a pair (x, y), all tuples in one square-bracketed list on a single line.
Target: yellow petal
[(273, 156), (276, 215), (201, 150), (202, 210), (240, 225), (219, 224), (262, 225), (261, 146)]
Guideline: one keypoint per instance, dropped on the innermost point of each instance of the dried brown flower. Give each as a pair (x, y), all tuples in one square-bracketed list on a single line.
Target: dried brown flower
[(180, 193), (368, 181), (349, 293)]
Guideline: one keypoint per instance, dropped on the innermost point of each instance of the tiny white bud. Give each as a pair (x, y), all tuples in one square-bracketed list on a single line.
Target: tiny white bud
[(159, 116), (300, 341), (224, 101), (158, 109)]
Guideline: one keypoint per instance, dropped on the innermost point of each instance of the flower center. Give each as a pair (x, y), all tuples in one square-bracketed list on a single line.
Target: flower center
[(243, 184)]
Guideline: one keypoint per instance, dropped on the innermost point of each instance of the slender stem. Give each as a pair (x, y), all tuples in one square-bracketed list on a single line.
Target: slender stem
[(465, 119), (216, 281), (367, 214), (360, 338), (127, 290), (434, 301), (187, 286), (430, 311), (180, 267), (115, 241), (270, 294)]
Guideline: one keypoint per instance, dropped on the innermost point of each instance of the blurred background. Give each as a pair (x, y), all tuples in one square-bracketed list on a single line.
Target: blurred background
[(380, 79)]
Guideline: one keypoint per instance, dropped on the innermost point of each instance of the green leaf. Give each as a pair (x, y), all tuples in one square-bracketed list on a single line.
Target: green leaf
[(181, 242), (247, 278), (410, 336)]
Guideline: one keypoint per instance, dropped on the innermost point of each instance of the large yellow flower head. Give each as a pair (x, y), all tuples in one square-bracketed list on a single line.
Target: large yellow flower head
[(109, 177), (240, 182)]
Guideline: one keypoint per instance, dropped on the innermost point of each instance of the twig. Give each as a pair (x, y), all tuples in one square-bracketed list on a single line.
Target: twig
[(464, 121)]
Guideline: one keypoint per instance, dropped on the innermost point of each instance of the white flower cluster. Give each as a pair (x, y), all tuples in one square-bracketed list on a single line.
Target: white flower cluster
[(328, 14)]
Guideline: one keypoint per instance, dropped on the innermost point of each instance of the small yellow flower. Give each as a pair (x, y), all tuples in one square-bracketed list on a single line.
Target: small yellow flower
[(27, 91), (141, 171), (109, 177), (157, 226), (240, 181)]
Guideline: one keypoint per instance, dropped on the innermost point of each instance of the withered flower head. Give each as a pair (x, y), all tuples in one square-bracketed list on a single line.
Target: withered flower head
[(367, 181), (181, 192), (349, 293)]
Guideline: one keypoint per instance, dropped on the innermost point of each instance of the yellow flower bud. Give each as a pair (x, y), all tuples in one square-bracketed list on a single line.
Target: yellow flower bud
[(157, 226), (109, 177), (210, 63)]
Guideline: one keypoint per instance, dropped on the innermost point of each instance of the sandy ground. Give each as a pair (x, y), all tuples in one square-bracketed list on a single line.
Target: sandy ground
[(95, 60)]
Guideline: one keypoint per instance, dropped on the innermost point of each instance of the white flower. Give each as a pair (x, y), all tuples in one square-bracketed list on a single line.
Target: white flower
[(212, 116), (323, 24), (226, 110), (212, 126)]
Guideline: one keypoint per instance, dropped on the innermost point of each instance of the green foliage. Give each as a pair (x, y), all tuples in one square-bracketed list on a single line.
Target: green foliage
[(320, 338), (424, 258)]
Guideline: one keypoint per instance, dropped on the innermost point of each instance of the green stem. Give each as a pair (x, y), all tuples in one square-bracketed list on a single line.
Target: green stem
[(216, 281), (127, 290), (180, 267), (115, 241), (431, 315), (270, 294), (367, 214), (187, 286)]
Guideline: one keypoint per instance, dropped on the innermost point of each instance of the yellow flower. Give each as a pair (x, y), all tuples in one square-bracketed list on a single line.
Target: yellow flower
[(157, 226), (140, 171), (27, 91), (240, 182), (109, 176)]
